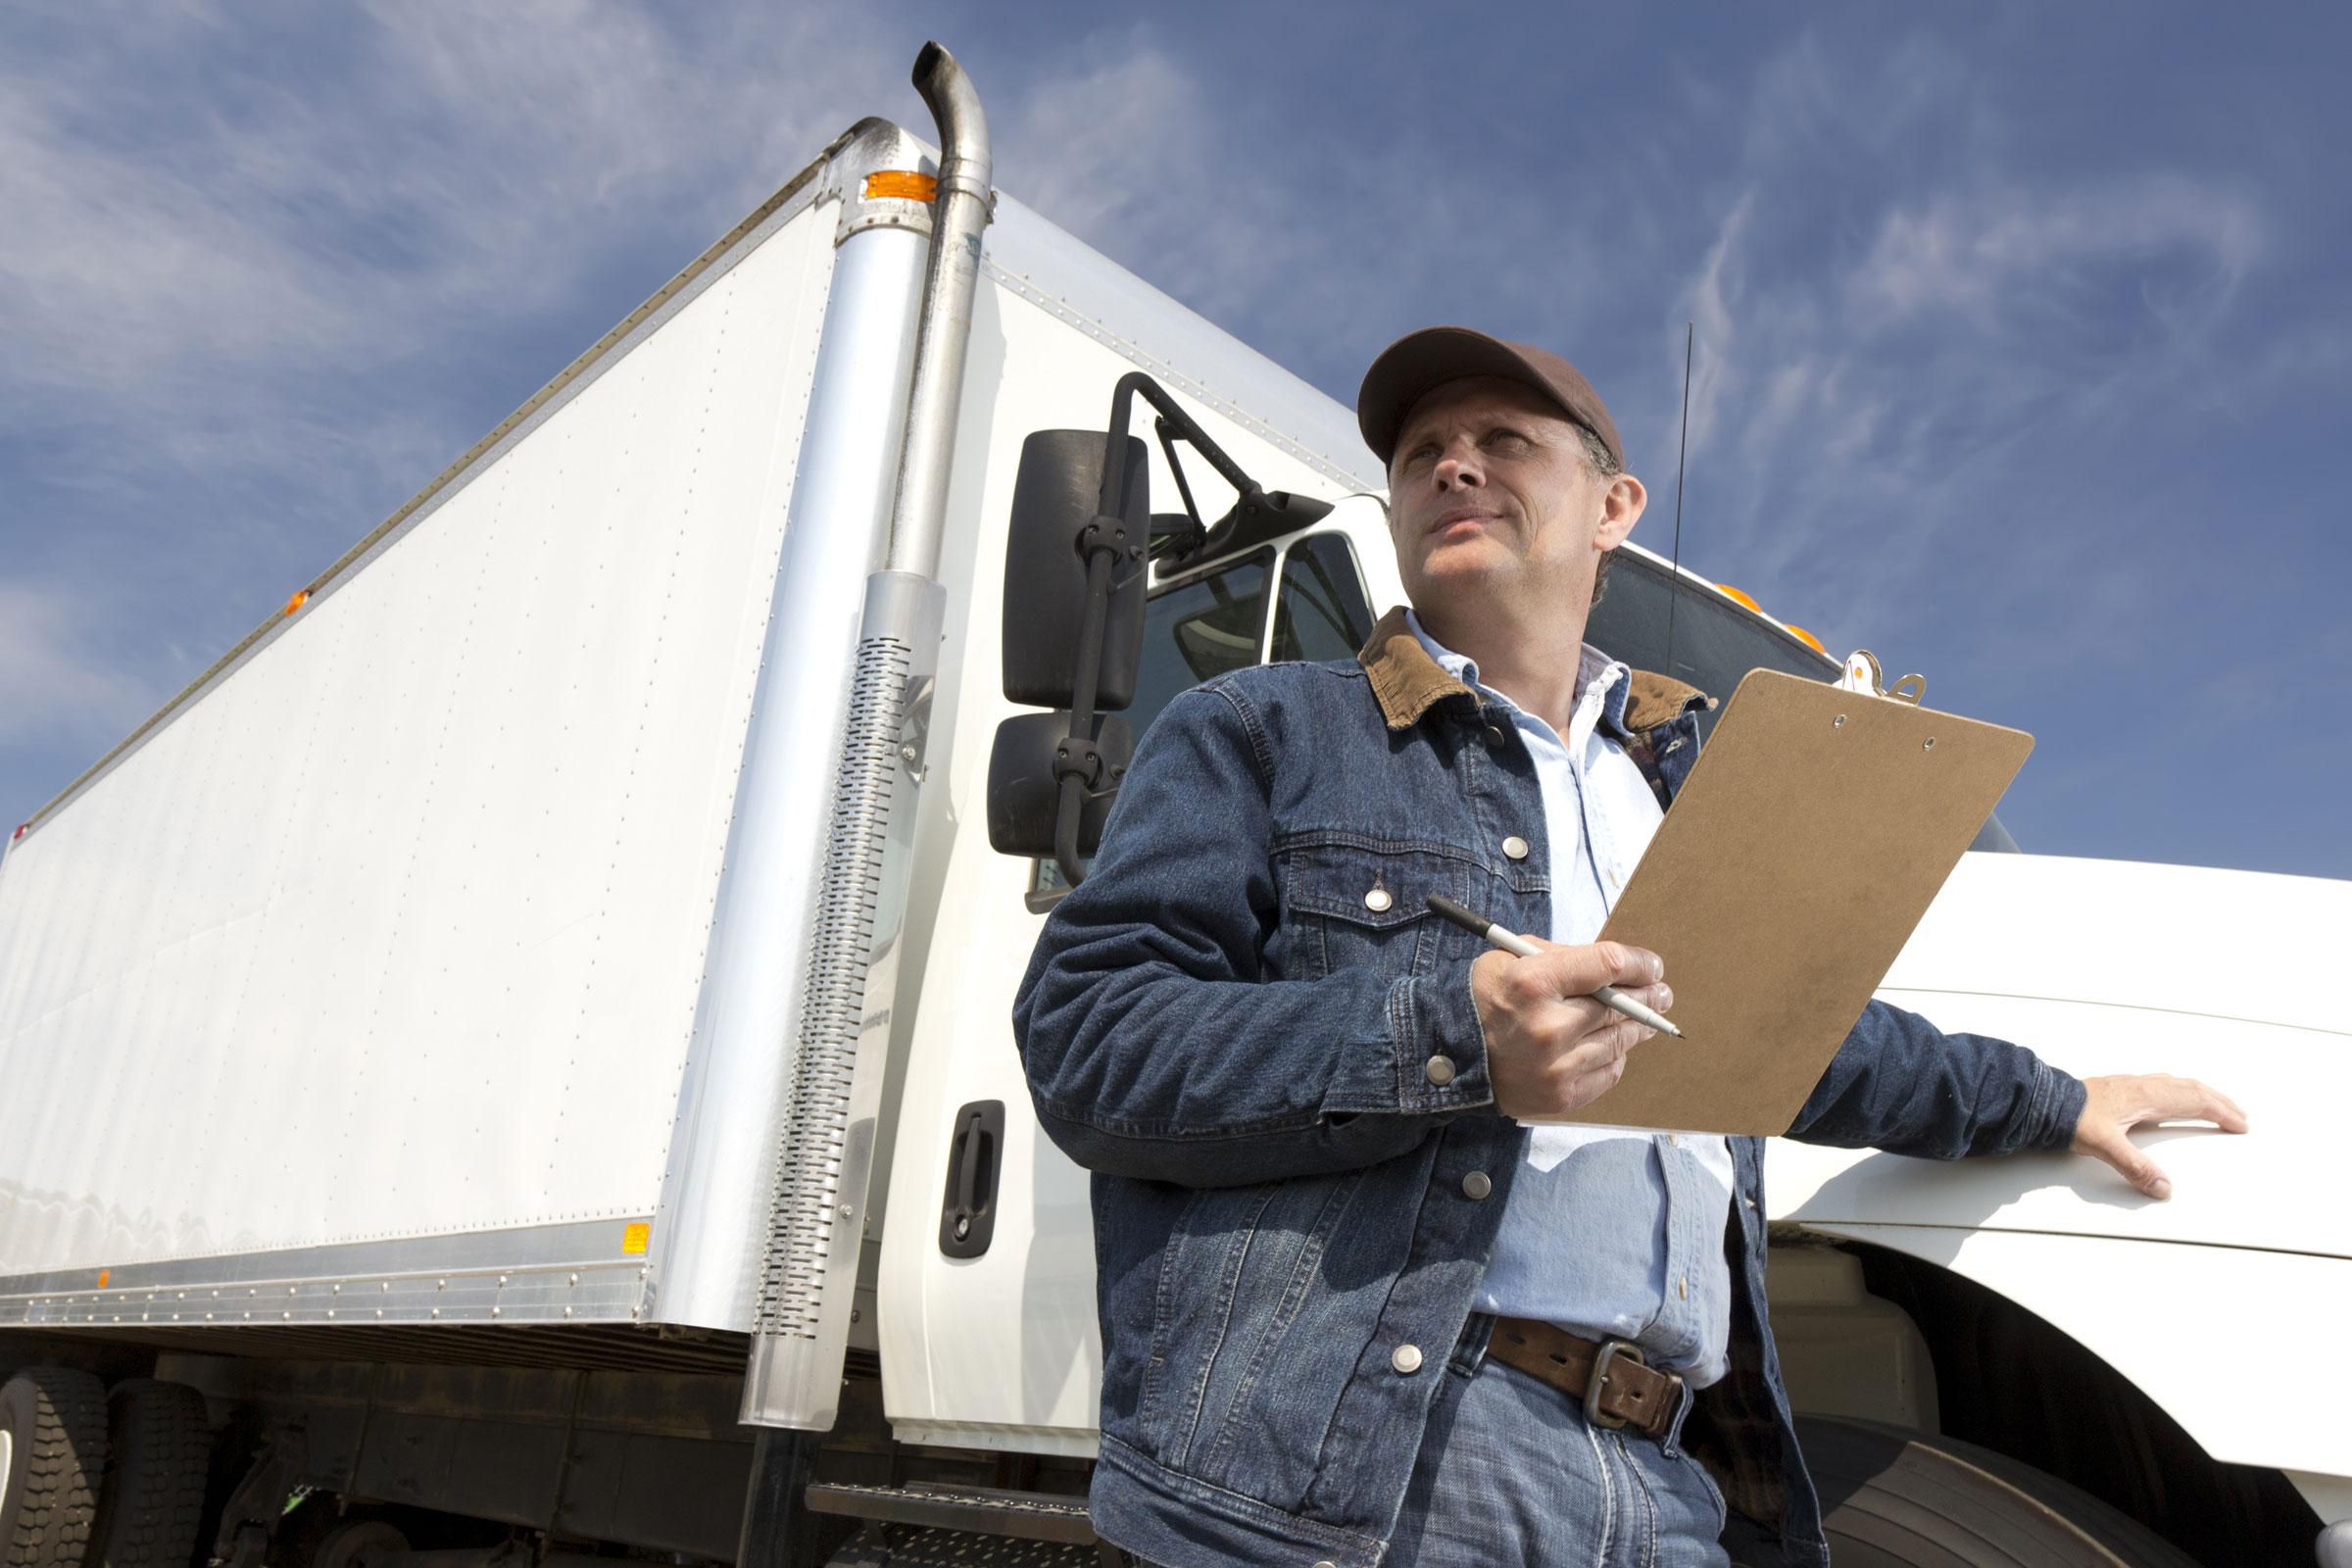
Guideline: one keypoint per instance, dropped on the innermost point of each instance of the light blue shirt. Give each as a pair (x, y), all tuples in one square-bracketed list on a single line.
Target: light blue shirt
[(1610, 1232)]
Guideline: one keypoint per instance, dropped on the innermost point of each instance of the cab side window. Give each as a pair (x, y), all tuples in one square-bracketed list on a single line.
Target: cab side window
[(1322, 612), (1199, 628)]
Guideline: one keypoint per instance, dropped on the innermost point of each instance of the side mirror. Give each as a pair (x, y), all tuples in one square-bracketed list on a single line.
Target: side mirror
[(1076, 560), (1057, 523), (1024, 792)]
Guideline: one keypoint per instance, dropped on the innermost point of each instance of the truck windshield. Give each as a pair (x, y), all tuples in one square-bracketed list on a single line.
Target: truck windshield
[(1716, 641)]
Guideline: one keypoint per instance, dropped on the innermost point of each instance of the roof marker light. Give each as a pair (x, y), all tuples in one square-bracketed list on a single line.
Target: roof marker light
[(302, 597), (1805, 637), (904, 184), (1729, 592)]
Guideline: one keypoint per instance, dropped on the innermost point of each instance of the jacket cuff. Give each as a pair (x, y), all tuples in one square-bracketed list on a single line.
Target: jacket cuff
[(2058, 1098), (1438, 1049)]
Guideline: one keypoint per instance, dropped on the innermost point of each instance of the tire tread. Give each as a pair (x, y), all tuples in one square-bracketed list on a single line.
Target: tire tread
[(154, 1496), (62, 1463)]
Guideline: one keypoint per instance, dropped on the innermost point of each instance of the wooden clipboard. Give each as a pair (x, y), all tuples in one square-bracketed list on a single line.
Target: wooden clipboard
[(1797, 857)]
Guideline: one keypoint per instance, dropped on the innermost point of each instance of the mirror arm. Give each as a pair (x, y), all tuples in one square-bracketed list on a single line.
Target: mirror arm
[(1077, 764), (1179, 543)]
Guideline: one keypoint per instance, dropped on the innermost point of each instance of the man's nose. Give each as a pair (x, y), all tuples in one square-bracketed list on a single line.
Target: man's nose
[(1458, 467)]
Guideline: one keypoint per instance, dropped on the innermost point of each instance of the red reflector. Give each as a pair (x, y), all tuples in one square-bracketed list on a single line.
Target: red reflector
[(23, 828)]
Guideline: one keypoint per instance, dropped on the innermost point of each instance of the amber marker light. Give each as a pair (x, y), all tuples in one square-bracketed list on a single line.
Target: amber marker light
[(1806, 637), (634, 1237), (1729, 592), (903, 184), (302, 597), (103, 1275)]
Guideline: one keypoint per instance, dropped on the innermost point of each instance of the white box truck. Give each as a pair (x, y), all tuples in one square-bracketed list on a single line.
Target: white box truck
[(515, 1064)]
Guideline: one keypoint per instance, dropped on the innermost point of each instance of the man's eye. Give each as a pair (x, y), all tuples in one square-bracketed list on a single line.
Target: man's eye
[(1507, 441)]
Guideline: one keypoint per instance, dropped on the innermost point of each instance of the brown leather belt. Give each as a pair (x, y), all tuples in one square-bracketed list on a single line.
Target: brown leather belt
[(1608, 1377)]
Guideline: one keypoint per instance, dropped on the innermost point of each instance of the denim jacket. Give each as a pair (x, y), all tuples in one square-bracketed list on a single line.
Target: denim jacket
[(1236, 1043)]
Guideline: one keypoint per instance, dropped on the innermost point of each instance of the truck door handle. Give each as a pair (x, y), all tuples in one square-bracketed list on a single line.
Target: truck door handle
[(967, 1221)]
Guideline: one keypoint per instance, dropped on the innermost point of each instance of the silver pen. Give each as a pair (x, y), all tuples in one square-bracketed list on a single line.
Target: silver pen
[(1609, 997)]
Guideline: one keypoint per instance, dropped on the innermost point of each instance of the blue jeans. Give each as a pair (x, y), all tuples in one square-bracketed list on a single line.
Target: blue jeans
[(1511, 1476)]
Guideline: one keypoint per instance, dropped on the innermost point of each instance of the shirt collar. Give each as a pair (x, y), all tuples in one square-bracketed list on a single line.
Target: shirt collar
[(1593, 665)]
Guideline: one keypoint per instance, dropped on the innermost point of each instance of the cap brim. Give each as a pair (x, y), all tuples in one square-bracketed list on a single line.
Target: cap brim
[(1409, 368)]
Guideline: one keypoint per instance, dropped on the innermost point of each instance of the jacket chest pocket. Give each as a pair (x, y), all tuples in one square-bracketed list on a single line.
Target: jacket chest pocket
[(1357, 903)]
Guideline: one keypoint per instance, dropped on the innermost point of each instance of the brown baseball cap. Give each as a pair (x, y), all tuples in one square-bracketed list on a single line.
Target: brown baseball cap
[(1417, 362)]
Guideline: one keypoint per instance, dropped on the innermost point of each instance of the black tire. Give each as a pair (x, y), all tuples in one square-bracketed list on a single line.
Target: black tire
[(53, 1427), (154, 1493), (1894, 1497)]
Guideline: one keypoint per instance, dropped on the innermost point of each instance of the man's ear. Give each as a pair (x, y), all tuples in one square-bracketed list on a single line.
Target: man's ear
[(1620, 508)]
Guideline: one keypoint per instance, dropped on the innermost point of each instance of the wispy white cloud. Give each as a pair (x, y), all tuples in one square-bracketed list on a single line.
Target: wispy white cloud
[(56, 686), (1884, 361)]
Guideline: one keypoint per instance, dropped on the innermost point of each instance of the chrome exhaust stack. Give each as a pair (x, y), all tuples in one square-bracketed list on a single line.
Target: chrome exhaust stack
[(826, 1138)]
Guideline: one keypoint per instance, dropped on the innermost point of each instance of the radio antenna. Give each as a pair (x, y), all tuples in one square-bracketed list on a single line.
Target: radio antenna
[(1680, 459)]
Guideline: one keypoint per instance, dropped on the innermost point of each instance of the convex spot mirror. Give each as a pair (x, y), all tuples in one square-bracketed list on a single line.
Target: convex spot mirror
[(1024, 795)]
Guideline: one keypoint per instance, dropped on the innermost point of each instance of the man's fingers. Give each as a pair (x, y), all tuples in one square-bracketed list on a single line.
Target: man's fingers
[(1582, 970), (2110, 1145), (2138, 1100), (2206, 1104)]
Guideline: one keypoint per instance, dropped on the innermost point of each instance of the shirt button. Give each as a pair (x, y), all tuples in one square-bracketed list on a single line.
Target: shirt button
[(1675, 1139), (1406, 1359), (1438, 1071), (1476, 1185), (1515, 847)]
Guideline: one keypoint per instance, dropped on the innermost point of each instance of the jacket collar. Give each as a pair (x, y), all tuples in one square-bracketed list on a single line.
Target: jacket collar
[(1407, 683)]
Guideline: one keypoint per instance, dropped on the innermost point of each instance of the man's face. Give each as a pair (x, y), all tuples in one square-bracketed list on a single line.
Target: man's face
[(1492, 500)]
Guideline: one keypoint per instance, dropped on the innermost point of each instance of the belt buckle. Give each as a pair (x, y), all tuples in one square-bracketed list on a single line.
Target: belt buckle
[(1610, 1350)]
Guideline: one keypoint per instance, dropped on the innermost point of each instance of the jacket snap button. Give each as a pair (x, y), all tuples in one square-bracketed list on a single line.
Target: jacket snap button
[(1377, 900), (1515, 847), (1476, 1185), (1495, 736), (1327, 1563), (1406, 1359), (1438, 1071)]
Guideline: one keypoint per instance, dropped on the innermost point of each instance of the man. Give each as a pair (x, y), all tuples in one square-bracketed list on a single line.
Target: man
[(1360, 1304)]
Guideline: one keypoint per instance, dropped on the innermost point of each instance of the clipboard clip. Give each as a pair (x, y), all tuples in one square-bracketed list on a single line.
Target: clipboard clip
[(1864, 675)]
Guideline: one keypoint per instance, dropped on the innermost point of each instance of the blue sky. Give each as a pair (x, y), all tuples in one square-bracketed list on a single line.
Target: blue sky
[(2024, 331)]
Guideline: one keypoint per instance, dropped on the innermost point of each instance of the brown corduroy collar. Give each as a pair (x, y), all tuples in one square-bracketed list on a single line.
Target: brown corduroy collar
[(1407, 682)]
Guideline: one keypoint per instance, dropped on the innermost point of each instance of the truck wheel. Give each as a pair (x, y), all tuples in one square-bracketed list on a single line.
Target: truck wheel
[(1895, 1498), (154, 1492), (52, 1457)]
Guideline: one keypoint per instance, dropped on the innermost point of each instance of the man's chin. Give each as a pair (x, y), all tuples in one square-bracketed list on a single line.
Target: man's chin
[(1451, 578)]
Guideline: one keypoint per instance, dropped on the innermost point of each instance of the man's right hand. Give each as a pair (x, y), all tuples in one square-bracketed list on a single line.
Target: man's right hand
[(1551, 1047)]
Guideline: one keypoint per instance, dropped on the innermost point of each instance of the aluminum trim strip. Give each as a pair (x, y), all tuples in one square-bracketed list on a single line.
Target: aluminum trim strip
[(541, 1273)]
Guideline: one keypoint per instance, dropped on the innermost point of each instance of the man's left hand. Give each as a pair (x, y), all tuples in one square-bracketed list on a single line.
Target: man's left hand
[(2119, 1105)]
